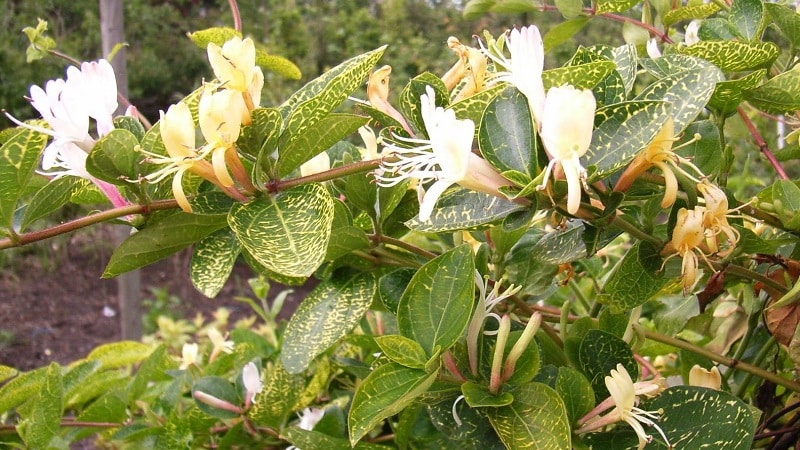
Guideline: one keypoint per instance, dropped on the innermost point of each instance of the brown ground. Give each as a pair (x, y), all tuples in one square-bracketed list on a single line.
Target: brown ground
[(52, 298)]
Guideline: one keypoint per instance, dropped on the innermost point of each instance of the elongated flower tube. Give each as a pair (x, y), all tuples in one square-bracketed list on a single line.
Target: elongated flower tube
[(484, 309), (624, 398), (715, 218), (446, 156), (523, 68), (378, 96), (234, 64), (251, 380), (566, 134)]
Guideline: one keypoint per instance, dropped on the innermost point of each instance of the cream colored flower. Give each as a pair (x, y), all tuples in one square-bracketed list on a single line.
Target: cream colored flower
[(446, 157), (220, 115), (470, 68), (234, 64), (251, 380), (715, 219), (317, 164), (378, 96), (189, 356), (688, 238), (622, 390), (219, 343), (566, 134), (690, 36), (489, 298), (699, 376)]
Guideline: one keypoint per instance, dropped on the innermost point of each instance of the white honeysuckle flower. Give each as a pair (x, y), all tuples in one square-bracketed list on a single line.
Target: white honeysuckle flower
[(690, 36), (652, 49), (524, 68), (622, 390), (221, 115), (219, 342), (446, 156), (251, 380), (566, 135), (310, 417), (483, 310), (97, 86), (370, 150), (698, 376), (189, 355), (315, 165), (234, 64)]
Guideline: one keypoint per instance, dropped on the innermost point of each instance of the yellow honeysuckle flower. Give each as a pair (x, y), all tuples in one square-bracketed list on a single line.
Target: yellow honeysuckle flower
[(220, 114), (699, 376), (378, 96), (234, 64), (688, 241)]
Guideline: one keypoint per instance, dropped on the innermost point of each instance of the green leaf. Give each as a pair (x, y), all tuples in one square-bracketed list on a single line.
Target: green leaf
[(386, 391), (278, 399), (473, 106), (131, 124), (438, 302), (314, 139), (621, 132), (610, 88), (534, 275), (576, 392), (347, 240), (635, 279), (569, 9), (727, 422), (303, 439), (262, 132), (733, 56), (219, 388), (505, 137), (747, 16), (120, 354), (478, 396), (40, 44), (787, 20), (392, 285), (7, 372), (729, 94), (153, 369), (21, 388), (560, 246), (528, 363), (19, 156), (42, 425), (459, 209), (599, 353), (536, 420), (779, 94), (410, 97), (688, 91), (110, 408), (582, 76), (161, 239), (614, 6), (717, 29), (329, 312), (563, 32), (287, 233), (114, 158), (402, 350), (212, 261), (49, 198), (700, 11)]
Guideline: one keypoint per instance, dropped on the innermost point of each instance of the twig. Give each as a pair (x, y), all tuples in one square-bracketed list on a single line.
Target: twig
[(762, 145)]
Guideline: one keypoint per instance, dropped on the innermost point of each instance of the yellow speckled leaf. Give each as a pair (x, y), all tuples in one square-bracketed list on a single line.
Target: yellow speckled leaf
[(733, 56)]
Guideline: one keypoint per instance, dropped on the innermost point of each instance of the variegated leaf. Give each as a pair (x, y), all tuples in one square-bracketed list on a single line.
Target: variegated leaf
[(506, 138), (614, 6), (690, 12), (287, 233), (537, 419), (329, 312), (747, 16), (611, 88), (410, 97), (779, 95), (688, 91), (787, 20), (598, 354), (42, 425), (279, 398), (473, 106), (634, 280), (625, 58), (19, 156), (672, 63), (621, 131), (326, 131), (459, 209), (212, 261), (733, 56), (583, 76), (730, 93)]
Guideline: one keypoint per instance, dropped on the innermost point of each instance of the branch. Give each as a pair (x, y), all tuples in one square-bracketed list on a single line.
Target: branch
[(762, 145)]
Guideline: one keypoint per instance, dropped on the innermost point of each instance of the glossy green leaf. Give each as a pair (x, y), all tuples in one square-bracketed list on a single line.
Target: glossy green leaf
[(114, 158), (278, 399), (19, 156), (727, 422), (49, 198), (787, 20), (779, 94), (402, 350), (698, 11), (261, 133), (212, 261), (560, 246), (747, 16), (21, 388), (473, 106), (303, 439), (288, 233), (706, 153), (717, 29), (535, 276), (219, 388), (598, 354), (386, 391), (348, 239), (410, 97), (120, 354), (563, 32), (42, 425), (478, 396), (582, 76), (688, 91), (459, 209), (536, 420), (295, 150), (161, 239), (329, 312), (131, 124), (621, 132), (635, 279), (438, 302), (152, 370), (506, 138), (392, 285), (576, 392), (733, 56), (730, 93)]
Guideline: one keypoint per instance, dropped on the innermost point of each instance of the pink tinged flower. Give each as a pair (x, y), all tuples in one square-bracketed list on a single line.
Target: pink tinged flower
[(310, 417), (446, 156), (623, 392), (252, 383), (566, 134), (524, 68), (97, 86)]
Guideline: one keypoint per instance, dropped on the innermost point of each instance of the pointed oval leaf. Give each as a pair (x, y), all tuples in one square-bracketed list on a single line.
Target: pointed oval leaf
[(473, 106), (114, 158), (505, 137), (576, 392), (690, 12), (730, 93), (50, 197), (19, 156), (779, 95), (599, 353), (787, 20), (386, 391), (536, 420), (288, 233), (438, 302), (120, 354), (621, 132), (747, 16), (733, 56), (314, 138), (459, 209), (329, 312), (212, 261), (478, 396), (688, 91), (410, 97), (402, 350), (582, 76), (41, 426), (635, 279)]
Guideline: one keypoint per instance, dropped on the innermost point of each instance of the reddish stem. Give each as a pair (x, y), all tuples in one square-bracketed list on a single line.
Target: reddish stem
[(762, 145)]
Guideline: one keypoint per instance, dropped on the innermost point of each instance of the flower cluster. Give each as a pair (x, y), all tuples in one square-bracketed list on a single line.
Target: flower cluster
[(224, 107), (67, 105)]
